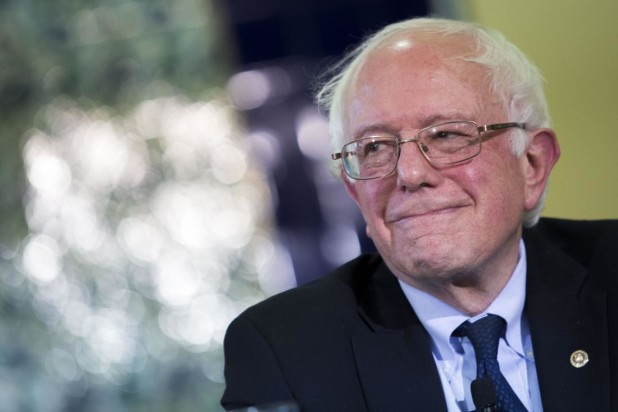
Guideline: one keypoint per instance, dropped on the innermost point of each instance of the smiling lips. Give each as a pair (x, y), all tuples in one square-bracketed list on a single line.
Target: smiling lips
[(424, 210)]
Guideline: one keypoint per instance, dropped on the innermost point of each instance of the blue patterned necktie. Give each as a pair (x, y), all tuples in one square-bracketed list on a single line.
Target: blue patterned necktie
[(485, 335)]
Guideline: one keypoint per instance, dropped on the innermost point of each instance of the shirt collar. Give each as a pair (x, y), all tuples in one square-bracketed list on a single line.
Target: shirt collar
[(440, 319)]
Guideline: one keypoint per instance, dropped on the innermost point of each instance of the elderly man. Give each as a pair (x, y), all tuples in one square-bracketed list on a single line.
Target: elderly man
[(441, 132)]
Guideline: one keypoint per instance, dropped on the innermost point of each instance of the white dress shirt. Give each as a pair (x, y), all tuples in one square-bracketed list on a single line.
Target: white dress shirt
[(454, 356)]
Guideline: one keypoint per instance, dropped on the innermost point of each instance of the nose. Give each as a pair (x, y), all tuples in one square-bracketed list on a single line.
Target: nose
[(413, 169)]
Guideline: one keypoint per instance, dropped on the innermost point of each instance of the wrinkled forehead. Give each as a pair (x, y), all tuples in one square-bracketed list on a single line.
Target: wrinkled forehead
[(420, 74), (454, 45), (422, 54)]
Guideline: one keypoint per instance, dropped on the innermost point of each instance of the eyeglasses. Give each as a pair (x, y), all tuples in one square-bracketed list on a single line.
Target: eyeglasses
[(448, 143)]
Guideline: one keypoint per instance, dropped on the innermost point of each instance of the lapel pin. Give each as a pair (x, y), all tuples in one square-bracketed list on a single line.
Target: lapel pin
[(579, 358)]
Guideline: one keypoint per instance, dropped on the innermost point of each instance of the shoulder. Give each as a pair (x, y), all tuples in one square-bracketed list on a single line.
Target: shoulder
[(333, 296), (576, 229), (591, 243), (578, 238)]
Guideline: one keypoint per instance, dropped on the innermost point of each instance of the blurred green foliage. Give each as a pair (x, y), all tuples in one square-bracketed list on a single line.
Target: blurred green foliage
[(100, 52), (95, 61)]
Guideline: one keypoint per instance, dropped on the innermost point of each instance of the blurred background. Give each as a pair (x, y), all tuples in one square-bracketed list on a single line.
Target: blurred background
[(163, 168)]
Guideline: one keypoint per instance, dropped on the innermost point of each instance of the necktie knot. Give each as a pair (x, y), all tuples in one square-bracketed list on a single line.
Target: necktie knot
[(485, 334)]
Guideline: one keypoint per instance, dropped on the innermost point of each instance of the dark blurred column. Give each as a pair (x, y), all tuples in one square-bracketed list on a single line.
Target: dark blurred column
[(282, 45)]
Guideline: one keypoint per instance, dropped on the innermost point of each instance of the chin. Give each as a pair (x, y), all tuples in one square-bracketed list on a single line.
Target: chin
[(432, 257), (419, 261)]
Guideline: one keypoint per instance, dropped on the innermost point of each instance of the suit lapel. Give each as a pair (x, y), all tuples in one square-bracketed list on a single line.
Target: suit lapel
[(394, 361), (565, 316), (397, 371)]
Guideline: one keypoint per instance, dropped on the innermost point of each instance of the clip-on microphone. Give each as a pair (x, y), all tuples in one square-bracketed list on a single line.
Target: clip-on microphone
[(484, 395)]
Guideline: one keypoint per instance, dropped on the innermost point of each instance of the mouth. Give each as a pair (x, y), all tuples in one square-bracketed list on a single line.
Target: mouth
[(424, 212)]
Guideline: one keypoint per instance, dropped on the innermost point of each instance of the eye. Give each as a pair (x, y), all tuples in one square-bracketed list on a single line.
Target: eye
[(445, 134), (372, 147), (450, 131)]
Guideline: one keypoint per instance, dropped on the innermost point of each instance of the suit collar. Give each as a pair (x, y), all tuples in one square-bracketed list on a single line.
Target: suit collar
[(396, 367), (565, 315), (394, 360), (384, 305)]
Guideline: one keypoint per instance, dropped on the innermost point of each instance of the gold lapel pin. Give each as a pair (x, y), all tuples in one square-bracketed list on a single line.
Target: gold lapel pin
[(579, 358)]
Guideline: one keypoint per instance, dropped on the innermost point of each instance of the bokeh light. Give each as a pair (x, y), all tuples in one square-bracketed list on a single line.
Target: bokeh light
[(149, 232)]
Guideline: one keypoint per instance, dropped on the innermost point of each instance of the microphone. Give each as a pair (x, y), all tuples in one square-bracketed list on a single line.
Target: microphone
[(484, 395)]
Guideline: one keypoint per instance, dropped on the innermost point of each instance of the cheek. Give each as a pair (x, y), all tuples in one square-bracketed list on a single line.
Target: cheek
[(372, 200), (495, 184), (371, 204), (500, 189)]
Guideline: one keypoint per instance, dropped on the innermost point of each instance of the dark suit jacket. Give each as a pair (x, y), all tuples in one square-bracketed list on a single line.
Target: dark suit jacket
[(350, 341)]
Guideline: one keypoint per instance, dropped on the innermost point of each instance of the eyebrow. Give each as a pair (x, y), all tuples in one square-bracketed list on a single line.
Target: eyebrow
[(394, 128), (377, 128)]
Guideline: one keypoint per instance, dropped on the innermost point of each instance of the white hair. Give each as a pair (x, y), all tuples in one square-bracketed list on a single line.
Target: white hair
[(511, 77)]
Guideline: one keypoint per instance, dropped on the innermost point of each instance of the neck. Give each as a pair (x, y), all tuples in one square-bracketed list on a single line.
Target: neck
[(470, 292), (470, 300)]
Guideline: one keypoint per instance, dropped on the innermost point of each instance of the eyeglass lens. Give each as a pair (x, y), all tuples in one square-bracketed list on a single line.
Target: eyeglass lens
[(377, 156)]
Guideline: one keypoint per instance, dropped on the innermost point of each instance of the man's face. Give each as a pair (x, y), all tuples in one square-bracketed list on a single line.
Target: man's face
[(437, 224)]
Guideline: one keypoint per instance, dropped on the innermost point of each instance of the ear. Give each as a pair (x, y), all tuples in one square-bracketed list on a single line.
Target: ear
[(540, 157)]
